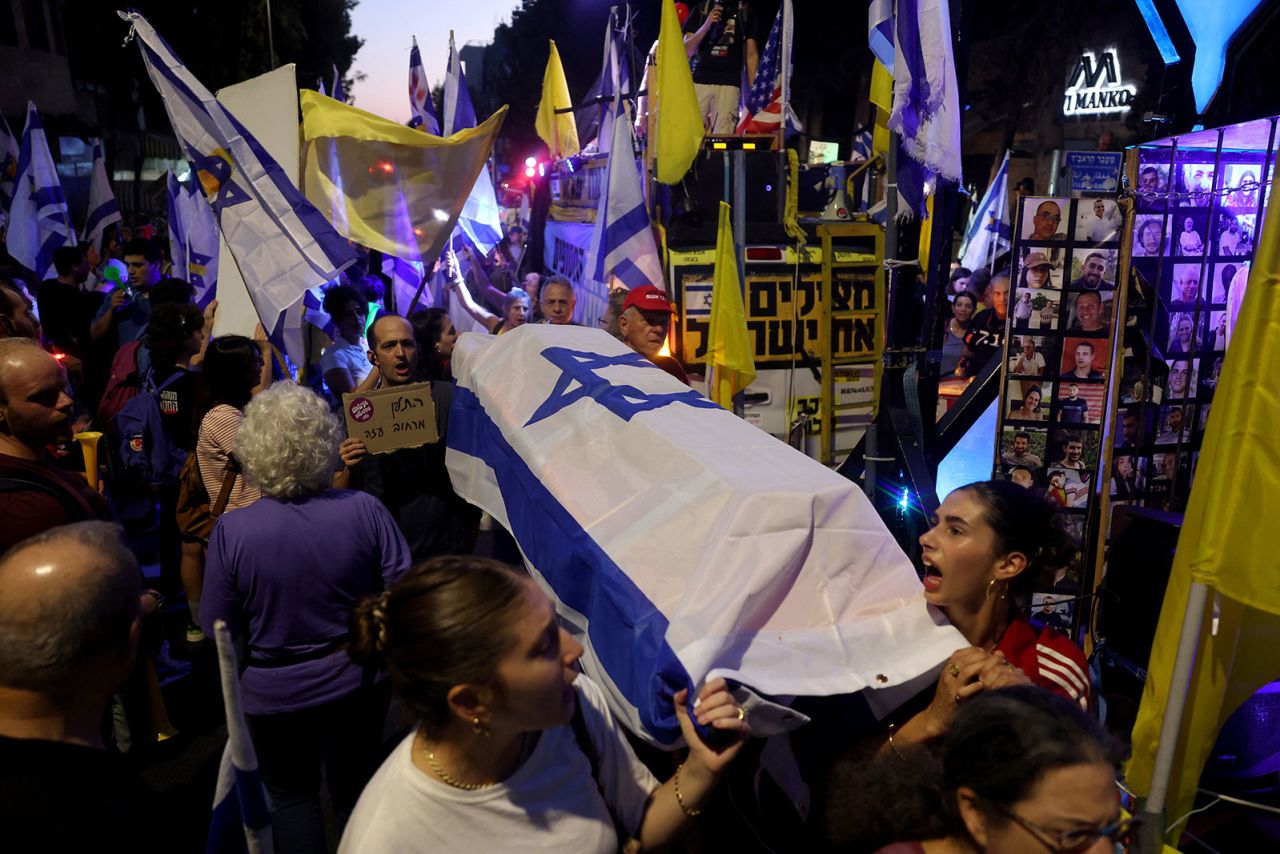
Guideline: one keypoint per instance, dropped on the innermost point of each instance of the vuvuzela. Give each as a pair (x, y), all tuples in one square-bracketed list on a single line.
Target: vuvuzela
[(89, 447)]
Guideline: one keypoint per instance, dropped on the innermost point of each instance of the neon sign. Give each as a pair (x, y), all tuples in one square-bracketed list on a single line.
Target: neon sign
[(1095, 88)]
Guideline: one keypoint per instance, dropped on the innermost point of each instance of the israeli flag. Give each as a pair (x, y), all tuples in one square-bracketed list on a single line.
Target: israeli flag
[(480, 220), (103, 210), (280, 242), (193, 239), (990, 235), (424, 112), (926, 102), (622, 243), (241, 819), (679, 542), (39, 222), (8, 168)]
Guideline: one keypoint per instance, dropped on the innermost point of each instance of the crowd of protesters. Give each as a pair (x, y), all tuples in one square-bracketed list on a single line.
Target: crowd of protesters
[(349, 577)]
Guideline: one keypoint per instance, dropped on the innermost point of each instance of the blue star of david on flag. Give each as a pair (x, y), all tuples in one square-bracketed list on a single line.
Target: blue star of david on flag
[(624, 401)]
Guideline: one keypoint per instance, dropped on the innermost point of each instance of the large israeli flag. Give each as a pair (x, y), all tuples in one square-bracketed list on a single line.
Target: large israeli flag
[(193, 239), (103, 209), (281, 243), (424, 111), (622, 244), (990, 235), (480, 220), (241, 819), (678, 541), (39, 222)]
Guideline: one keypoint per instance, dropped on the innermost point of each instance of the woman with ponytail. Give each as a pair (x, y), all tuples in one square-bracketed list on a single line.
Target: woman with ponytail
[(515, 750), (988, 545)]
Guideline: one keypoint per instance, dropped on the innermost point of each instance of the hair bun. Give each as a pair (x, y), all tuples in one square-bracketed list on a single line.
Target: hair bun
[(368, 643)]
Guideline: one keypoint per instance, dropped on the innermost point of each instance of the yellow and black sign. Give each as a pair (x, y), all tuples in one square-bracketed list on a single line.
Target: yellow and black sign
[(775, 308)]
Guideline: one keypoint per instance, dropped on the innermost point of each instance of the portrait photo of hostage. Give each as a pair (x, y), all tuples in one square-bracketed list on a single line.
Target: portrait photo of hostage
[(1188, 233), (1130, 433), (1089, 311), (1197, 183), (1219, 284), (1242, 186), (1045, 609), (1076, 450), (1084, 358), (1210, 376), (1181, 384), (1183, 340), (1036, 310), (1093, 269), (1235, 234), (1164, 468), (1184, 285), (1021, 475), (1148, 236), (1023, 446), (1216, 331), (1040, 269), (1030, 403), (1203, 421), (1153, 186), (1174, 425), (1127, 481), (1042, 219), (1081, 403), (1067, 487), (1098, 221)]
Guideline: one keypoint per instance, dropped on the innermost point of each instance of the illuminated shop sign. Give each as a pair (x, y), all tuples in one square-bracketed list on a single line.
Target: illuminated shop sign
[(1095, 87)]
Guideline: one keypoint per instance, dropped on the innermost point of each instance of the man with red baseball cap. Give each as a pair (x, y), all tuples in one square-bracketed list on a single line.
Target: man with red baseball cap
[(643, 324)]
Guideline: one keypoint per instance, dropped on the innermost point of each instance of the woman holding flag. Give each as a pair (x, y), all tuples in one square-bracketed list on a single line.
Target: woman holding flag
[(515, 749)]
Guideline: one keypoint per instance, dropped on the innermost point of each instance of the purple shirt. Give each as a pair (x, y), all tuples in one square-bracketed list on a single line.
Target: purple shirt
[(285, 575)]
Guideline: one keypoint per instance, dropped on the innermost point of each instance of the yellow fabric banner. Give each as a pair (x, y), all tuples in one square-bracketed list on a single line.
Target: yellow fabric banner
[(882, 99), (384, 185), (730, 366), (673, 104), (1235, 498), (558, 130)]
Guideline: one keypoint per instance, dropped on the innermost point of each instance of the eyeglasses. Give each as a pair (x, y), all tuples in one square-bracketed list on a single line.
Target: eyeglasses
[(1069, 841), (1049, 216)]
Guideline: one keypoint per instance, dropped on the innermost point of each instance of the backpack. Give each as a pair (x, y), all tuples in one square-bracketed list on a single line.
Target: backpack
[(147, 454), (124, 383), (196, 512)]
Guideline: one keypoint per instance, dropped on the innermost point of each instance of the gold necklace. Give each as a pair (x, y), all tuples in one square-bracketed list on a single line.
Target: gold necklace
[(448, 778)]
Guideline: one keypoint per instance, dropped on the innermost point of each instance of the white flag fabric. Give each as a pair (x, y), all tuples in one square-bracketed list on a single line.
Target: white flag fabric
[(193, 239), (622, 243), (680, 542), (39, 222), (926, 102), (103, 209), (241, 819), (280, 242), (991, 233), (480, 220)]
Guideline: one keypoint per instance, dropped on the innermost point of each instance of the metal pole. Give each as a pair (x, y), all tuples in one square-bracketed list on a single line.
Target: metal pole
[(1153, 810), (871, 447), (740, 241), (271, 41)]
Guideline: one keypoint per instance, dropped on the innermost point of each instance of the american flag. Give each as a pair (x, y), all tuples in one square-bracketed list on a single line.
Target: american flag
[(769, 93)]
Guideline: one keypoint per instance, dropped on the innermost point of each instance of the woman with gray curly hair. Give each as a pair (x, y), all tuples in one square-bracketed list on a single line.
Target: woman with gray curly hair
[(284, 573)]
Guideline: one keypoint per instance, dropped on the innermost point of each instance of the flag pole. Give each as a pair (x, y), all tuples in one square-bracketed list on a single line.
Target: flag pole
[(1151, 837)]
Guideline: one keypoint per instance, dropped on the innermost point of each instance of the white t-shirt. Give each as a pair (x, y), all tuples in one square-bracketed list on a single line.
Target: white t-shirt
[(551, 803), (343, 354)]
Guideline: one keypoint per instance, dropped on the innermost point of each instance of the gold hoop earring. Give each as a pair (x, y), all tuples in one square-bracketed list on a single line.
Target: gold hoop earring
[(1004, 590)]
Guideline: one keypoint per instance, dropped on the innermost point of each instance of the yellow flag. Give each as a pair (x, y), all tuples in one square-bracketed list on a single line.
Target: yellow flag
[(673, 104), (1235, 498), (730, 366), (558, 130), (882, 99), (384, 185)]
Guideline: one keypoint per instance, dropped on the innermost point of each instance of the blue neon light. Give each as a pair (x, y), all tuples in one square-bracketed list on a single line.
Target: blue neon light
[(1164, 43), (1212, 24)]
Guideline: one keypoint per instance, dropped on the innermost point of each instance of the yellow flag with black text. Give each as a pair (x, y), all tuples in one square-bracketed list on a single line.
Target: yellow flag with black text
[(730, 366), (1234, 500), (558, 130)]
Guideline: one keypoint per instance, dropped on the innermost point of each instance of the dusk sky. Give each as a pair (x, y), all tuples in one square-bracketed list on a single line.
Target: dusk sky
[(386, 27)]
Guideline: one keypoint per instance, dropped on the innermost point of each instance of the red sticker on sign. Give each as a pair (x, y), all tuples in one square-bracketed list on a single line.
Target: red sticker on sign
[(361, 409)]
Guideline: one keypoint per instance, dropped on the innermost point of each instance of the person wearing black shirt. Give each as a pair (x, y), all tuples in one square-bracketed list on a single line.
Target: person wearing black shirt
[(986, 331), (70, 602), (64, 309), (722, 34)]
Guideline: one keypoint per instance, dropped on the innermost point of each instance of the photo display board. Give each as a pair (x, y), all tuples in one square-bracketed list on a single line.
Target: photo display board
[(1198, 214), (1056, 374)]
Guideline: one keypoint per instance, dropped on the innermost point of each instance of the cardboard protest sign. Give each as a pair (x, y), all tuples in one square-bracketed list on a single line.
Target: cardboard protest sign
[(387, 419)]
